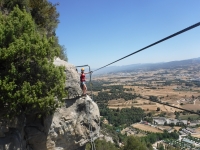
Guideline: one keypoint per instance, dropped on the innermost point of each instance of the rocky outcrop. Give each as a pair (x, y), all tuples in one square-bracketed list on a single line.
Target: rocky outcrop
[(12, 134), (70, 127), (72, 78), (67, 129), (107, 138)]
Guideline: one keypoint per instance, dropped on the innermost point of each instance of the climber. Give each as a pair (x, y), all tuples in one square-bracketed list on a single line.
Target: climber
[(82, 80)]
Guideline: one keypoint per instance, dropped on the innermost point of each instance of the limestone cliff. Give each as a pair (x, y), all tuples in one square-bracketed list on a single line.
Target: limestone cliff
[(66, 129)]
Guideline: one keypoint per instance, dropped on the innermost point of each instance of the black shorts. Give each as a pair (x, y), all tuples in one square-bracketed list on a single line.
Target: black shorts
[(82, 84)]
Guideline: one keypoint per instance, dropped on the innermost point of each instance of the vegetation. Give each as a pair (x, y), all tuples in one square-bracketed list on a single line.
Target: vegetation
[(158, 109), (134, 143), (125, 116), (112, 132), (106, 96), (44, 15), (190, 117), (166, 147), (153, 137), (107, 93), (102, 145), (29, 81)]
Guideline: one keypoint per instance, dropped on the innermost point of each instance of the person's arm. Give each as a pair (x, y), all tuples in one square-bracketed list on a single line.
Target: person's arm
[(78, 72), (89, 72)]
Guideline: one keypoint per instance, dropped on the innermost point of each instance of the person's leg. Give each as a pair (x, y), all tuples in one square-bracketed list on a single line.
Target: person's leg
[(85, 88), (82, 87)]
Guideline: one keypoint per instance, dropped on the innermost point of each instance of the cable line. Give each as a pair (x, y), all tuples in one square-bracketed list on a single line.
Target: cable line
[(164, 39)]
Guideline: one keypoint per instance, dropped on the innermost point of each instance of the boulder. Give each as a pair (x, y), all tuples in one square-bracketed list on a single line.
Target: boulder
[(72, 78)]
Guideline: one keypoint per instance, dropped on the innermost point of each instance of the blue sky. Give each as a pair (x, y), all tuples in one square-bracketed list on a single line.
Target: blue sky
[(97, 32)]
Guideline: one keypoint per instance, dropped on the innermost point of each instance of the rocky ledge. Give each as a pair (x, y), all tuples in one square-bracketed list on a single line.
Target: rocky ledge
[(69, 128)]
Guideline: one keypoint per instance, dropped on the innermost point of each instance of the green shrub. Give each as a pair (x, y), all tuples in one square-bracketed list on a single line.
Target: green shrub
[(29, 82)]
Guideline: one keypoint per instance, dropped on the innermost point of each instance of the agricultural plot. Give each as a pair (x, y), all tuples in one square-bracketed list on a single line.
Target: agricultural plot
[(147, 128), (192, 116), (147, 107), (194, 107), (172, 86), (196, 135)]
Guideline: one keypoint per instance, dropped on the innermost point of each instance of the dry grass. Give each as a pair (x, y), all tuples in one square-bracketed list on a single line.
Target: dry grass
[(191, 106), (177, 128), (116, 102), (198, 129), (139, 135), (146, 128), (147, 107), (172, 97), (141, 103), (196, 135), (120, 107)]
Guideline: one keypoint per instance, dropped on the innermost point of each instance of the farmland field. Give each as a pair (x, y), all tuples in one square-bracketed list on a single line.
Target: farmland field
[(146, 128), (196, 135), (170, 86), (193, 116)]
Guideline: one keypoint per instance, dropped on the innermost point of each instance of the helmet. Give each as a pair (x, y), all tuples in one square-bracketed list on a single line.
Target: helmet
[(82, 69)]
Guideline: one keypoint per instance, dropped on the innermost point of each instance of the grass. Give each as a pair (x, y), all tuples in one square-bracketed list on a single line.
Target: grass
[(192, 116), (147, 128)]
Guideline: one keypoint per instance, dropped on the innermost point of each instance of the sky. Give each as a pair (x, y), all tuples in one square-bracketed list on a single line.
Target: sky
[(98, 32)]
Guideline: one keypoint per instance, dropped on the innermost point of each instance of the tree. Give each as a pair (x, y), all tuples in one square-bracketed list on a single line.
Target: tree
[(160, 147), (102, 145), (29, 81), (172, 124), (134, 143), (45, 17), (10, 4), (44, 14), (158, 109)]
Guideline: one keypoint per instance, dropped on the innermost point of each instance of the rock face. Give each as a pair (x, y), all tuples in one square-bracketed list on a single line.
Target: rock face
[(70, 127), (73, 79), (67, 129)]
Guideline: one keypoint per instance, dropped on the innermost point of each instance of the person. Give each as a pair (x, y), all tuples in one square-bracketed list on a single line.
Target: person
[(82, 81)]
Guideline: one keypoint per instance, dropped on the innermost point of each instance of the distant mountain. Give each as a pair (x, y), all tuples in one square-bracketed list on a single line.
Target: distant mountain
[(149, 66)]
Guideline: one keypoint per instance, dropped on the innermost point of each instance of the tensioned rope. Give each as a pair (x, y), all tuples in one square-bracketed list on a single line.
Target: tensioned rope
[(164, 39)]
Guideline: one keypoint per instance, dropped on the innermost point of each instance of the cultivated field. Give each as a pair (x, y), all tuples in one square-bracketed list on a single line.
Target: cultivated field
[(194, 107), (172, 86), (166, 94), (198, 129), (177, 128), (146, 128), (142, 103), (196, 135)]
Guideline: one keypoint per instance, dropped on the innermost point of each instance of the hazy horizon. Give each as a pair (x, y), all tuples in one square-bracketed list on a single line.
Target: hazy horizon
[(114, 67)]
